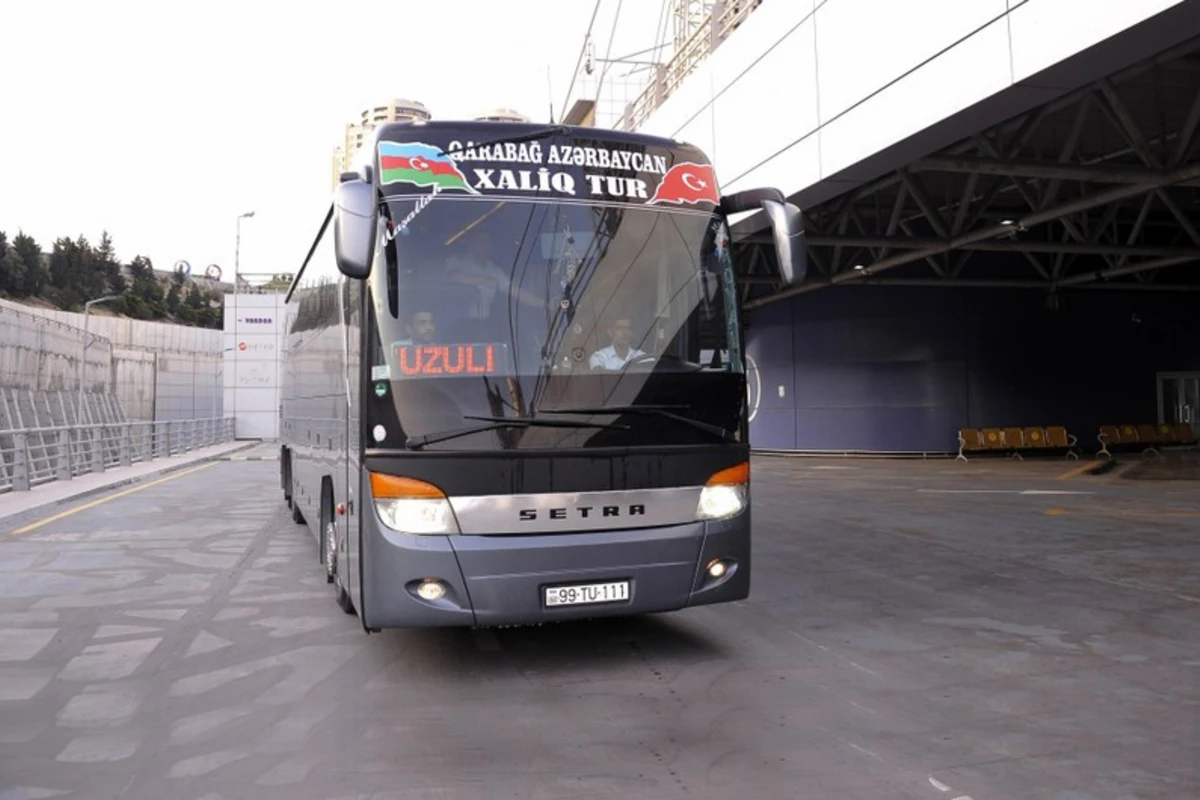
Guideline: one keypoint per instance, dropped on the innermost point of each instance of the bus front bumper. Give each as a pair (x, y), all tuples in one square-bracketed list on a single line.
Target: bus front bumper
[(503, 580)]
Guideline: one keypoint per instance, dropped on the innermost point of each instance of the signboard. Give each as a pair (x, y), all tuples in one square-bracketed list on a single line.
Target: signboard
[(426, 361), (253, 343), (626, 172)]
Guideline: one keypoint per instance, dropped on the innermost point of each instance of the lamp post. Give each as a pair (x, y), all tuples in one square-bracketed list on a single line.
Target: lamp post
[(237, 277), (87, 310), (237, 249)]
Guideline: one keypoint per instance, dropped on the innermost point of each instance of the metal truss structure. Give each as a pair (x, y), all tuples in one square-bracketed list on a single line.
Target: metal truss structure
[(625, 101), (1095, 189)]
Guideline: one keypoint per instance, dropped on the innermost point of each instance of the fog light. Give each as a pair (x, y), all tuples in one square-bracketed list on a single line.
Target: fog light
[(717, 568), (431, 589)]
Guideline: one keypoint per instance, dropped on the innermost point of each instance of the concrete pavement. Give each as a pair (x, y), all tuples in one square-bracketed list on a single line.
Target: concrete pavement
[(15, 504), (915, 631)]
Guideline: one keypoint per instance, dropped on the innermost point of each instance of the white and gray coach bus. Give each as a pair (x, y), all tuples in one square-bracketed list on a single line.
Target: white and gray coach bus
[(514, 387)]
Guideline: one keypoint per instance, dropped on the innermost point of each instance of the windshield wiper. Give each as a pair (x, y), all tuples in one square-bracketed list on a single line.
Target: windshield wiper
[(499, 423), (656, 410), (532, 136)]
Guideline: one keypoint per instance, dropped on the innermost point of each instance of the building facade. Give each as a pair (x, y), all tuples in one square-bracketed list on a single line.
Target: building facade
[(356, 133)]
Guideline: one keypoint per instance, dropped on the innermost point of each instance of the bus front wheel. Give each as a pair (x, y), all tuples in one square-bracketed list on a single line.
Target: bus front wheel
[(329, 550)]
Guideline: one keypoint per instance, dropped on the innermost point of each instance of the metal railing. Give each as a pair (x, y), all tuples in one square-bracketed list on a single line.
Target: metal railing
[(724, 18), (32, 456)]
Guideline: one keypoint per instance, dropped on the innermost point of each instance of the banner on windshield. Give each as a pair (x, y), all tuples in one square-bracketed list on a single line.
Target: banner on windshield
[(608, 172)]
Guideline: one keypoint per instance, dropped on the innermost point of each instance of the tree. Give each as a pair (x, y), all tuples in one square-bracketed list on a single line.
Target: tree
[(5, 280), (146, 286), (79, 272), (90, 276), (140, 270), (72, 273), (212, 318), (12, 268), (144, 299), (75, 272), (108, 266), (173, 303), (278, 283), (133, 306), (199, 308), (196, 304), (63, 261), (36, 274)]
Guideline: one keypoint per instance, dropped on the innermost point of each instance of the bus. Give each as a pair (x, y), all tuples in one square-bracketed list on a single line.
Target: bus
[(514, 387)]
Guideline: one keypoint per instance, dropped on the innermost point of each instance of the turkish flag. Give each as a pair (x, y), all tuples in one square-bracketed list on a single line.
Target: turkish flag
[(688, 183)]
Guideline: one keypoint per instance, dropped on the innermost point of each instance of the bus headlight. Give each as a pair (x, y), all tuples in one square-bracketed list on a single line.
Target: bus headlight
[(721, 502), (408, 505), (417, 516), (725, 494)]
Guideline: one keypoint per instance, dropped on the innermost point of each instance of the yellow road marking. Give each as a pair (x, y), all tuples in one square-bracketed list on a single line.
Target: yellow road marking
[(1082, 468), (1055, 512), (71, 511)]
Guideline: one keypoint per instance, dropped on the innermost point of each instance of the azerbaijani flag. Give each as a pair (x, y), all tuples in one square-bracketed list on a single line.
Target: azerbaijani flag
[(421, 165)]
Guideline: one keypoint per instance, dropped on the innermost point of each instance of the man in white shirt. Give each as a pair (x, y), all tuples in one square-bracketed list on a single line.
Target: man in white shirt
[(621, 351)]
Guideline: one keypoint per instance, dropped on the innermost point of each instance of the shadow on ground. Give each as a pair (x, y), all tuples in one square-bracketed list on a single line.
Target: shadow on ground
[(1166, 467)]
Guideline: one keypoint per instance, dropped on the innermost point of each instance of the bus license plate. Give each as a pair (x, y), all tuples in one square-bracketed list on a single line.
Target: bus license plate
[(584, 593)]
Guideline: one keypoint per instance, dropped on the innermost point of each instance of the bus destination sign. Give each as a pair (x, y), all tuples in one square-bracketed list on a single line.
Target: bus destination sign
[(438, 360)]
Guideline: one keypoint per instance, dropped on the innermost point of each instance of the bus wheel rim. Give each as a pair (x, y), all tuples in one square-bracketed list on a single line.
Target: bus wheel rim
[(330, 552)]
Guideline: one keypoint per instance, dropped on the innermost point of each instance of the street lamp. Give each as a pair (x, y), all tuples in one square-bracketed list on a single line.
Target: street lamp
[(237, 277), (237, 249), (87, 309)]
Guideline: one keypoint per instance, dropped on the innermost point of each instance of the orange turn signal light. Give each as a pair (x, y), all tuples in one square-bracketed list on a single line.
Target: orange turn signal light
[(396, 487), (733, 476)]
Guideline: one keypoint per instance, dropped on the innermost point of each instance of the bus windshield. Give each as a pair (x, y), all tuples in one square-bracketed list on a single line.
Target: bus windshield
[(528, 309)]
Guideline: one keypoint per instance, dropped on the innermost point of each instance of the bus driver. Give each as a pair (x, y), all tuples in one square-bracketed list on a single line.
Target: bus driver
[(617, 355)]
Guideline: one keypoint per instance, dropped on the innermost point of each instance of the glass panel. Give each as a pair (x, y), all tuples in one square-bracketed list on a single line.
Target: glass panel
[(1171, 401), (1190, 402), (514, 309), (1181, 399)]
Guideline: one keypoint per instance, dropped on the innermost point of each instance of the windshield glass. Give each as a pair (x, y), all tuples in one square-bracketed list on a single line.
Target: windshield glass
[(516, 309)]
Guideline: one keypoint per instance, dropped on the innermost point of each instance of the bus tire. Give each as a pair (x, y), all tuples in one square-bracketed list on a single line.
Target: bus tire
[(343, 599), (329, 551), (285, 474), (297, 514)]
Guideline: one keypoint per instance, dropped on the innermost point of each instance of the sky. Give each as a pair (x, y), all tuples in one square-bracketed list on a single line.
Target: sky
[(162, 122)]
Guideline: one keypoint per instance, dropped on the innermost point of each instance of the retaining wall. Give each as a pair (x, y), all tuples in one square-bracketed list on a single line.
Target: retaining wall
[(158, 371)]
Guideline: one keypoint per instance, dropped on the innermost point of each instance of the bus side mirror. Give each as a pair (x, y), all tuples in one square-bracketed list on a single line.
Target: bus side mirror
[(787, 228), (354, 227)]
